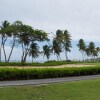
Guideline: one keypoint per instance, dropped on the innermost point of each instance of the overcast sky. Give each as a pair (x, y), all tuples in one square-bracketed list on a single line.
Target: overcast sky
[(80, 17)]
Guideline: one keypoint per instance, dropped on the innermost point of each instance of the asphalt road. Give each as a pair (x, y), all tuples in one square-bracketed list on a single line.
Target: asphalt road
[(46, 81)]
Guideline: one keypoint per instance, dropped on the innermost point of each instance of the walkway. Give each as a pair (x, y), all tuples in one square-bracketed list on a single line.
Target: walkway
[(46, 81)]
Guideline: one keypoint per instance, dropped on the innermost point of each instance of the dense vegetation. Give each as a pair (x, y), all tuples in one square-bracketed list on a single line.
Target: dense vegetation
[(88, 51), (21, 35), (33, 73), (27, 38), (47, 63)]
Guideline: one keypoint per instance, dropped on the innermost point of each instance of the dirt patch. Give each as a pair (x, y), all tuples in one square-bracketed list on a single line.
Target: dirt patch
[(59, 66)]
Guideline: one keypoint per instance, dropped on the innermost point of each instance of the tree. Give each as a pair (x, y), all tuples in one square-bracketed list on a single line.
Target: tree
[(66, 42), (56, 47), (14, 30), (24, 40), (92, 49), (4, 32), (98, 51), (82, 47), (47, 51), (28, 36), (34, 50), (87, 51), (64, 39), (18, 33)]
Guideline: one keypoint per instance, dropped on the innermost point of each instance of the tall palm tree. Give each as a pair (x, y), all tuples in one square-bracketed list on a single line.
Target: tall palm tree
[(4, 32), (82, 47), (67, 42), (47, 51), (87, 52), (56, 47), (34, 50), (98, 51), (64, 39), (92, 49)]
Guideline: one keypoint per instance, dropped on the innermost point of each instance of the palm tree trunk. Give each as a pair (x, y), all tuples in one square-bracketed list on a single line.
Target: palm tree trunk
[(22, 58), (82, 55), (3, 45), (32, 59), (60, 57), (66, 55), (26, 53), (0, 54), (57, 57), (11, 51), (4, 53)]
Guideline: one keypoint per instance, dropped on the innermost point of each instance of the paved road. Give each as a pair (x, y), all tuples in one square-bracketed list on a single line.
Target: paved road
[(46, 81)]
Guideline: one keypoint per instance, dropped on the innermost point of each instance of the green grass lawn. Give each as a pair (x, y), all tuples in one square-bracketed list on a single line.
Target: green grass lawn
[(81, 90)]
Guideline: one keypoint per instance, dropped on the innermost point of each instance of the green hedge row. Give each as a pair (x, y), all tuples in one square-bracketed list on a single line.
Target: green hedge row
[(24, 74), (48, 63)]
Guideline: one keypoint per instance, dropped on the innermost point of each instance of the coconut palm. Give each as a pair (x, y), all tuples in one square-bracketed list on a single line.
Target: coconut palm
[(98, 51), (56, 47), (67, 42), (82, 47), (47, 51), (4, 32), (87, 51), (92, 49), (34, 50), (64, 39)]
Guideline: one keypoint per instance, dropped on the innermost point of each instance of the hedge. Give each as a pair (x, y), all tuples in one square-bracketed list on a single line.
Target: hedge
[(48, 63), (40, 73)]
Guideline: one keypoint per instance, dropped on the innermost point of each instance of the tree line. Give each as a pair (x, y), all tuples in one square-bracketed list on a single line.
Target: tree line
[(19, 34), (28, 38), (89, 51)]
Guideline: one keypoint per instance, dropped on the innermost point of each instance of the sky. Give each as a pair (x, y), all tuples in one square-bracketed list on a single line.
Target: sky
[(80, 17)]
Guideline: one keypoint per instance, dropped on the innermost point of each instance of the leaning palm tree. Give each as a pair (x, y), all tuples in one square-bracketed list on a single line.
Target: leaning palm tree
[(95, 53), (98, 51), (87, 52), (82, 47), (47, 51), (64, 39), (4, 32), (56, 47), (66, 42), (92, 49), (34, 50)]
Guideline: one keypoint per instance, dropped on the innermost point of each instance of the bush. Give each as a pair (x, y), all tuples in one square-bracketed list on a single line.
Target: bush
[(24, 74), (48, 63)]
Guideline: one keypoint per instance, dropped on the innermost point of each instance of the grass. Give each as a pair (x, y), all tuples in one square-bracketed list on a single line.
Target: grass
[(81, 90)]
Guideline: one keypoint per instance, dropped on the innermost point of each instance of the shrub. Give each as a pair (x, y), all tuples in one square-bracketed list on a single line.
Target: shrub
[(39, 73)]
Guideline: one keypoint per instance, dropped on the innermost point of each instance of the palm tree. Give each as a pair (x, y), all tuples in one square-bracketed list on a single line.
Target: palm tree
[(95, 53), (64, 39), (56, 47), (92, 49), (34, 50), (24, 40), (98, 51), (47, 51), (4, 32), (87, 51), (66, 42), (82, 47)]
